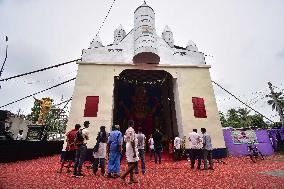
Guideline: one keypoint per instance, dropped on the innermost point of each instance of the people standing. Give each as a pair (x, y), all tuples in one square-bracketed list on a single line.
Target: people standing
[(141, 143), (195, 147), (177, 143), (207, 149), (151, 146), (100, 151), (20, 136), (171, 149), (131, 153), (82, 136), (115, 148), (71, 148), (157, 137)]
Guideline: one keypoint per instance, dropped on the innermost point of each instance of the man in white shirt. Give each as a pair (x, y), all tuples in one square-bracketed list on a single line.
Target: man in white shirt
[(81, 151), (151, 146), (177, 143), (132, 154), (195, 147)]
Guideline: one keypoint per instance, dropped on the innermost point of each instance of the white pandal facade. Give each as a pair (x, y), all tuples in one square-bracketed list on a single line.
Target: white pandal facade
[(143, 49), (143, 39)]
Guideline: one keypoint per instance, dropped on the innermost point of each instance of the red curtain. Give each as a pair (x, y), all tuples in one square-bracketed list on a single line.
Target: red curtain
[(91, 106), (199, 107)]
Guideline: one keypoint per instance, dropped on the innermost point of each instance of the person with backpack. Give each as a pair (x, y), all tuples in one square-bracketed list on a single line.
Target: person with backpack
[(82, 136), (70, 148), (100, 151)]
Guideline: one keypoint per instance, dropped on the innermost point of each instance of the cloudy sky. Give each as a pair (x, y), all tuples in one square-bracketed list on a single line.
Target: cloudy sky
[(245, 38)]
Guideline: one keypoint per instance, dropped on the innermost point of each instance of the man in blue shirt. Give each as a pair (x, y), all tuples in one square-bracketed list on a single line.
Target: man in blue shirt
[(207, 149), (115, 148)]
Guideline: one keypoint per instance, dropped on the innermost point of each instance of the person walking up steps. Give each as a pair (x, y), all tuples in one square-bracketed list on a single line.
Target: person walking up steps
[(157, 136), (115, 148), (207, 149), (82, 136), (100, 151), (141, 143), (132, 153), (195, 148)]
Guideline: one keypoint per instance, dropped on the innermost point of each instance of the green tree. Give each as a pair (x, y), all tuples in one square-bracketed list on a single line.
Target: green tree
[(280, 98), (257, 121), (56, 120), (223, 119), (35, 112), (241, 117)]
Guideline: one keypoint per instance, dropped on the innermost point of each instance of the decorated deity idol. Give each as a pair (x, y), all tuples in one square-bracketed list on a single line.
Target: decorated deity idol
[(140, 111), (45, 106)]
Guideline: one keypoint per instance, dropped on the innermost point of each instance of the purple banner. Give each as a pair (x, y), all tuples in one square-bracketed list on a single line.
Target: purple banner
[(264, 144)]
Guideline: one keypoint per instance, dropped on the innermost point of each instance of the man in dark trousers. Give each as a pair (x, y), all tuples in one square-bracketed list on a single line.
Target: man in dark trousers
[(71, 148), (81, 151), (195, 147), (207, 149), (157, 137)]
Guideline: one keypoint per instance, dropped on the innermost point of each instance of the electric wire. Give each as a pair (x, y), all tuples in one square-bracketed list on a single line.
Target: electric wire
[(241, 101), (105, 18), (54, 86), (40, 70)]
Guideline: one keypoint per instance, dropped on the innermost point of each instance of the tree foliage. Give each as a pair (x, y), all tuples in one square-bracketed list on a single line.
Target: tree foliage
[(241, 118), (279, 97)]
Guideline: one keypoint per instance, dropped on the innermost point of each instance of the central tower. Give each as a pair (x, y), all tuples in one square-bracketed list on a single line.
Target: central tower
[(145, 39)]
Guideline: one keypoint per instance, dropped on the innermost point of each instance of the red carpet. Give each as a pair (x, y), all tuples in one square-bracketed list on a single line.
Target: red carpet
[(237, 173)]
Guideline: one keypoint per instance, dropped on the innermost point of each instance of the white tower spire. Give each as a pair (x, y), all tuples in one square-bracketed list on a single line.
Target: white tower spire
[(119, 34), (145, 37), (167, 35)]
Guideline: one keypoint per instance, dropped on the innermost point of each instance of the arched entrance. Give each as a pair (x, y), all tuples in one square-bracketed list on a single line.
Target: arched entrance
[(147, 97)]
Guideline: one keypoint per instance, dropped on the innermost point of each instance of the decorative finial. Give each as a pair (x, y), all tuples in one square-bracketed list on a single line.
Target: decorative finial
[(120, 27), (191, 43), (166, 29), (97, 42), (97, 39), (144, 4)]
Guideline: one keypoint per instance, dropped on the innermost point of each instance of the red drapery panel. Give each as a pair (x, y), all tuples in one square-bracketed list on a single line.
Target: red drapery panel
[(199, 107), (91, 106)]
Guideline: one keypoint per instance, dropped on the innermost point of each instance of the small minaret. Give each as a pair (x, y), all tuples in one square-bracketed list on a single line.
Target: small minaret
[(168, 37), (145, 38), (97, 42), (191, 46), (119, 34)]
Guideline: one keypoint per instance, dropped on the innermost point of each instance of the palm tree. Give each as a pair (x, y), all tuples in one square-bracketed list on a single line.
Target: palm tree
[(280, 98)]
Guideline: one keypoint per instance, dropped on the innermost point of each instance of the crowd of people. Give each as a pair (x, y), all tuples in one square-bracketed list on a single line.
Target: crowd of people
[(114, 145)]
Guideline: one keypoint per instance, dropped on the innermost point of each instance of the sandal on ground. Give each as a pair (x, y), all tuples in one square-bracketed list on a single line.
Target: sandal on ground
[(133, 181)]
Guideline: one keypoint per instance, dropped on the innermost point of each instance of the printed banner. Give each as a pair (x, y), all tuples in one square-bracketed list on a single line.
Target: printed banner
[(244, 137)]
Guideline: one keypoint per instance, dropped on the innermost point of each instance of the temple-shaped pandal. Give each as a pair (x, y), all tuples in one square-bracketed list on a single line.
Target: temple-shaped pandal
[(147, 78)]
